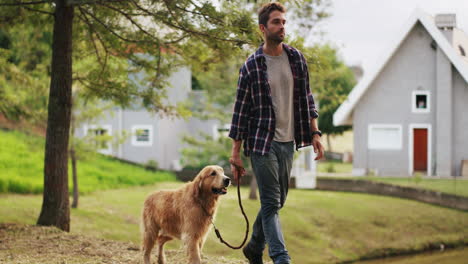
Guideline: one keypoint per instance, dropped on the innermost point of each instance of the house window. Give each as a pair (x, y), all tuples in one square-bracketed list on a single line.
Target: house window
[(385, 137), (142, 135), (421, 102), (222, 131), (101, 137)]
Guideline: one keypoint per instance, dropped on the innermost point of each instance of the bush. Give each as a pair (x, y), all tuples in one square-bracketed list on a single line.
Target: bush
[(3, 185), (152, 165), (331, 168), (417, 177)]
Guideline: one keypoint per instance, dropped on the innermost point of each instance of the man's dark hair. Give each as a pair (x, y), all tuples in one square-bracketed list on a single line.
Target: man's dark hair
[(266, 9)]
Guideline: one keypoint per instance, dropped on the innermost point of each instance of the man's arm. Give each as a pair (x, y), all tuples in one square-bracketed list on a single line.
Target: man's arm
[(318, 148), (235, 157), (240, 116), (316, 143)]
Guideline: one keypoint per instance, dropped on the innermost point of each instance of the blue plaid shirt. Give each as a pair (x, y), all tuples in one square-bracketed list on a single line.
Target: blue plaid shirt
[(253, 119)]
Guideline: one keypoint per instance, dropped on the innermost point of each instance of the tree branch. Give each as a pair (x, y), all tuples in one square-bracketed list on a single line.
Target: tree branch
[(140, 27), (84, 2), (39, 11), (90, 33), (129, 18), (112, 31), (93, 30), (25, 3), (180, 27), (207, 18)]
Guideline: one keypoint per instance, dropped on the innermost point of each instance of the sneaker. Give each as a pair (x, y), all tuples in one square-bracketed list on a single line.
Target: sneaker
[(252, 257)]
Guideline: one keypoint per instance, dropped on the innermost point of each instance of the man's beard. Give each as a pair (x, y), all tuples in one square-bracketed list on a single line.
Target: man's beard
[(275, 38)]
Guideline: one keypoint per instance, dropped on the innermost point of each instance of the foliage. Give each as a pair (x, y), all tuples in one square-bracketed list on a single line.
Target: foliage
[(152, 165), (334, 167), (21, 163), (330, 168), (25, 72), (218, 87), (331, 82), (107, 34), (203, 150)]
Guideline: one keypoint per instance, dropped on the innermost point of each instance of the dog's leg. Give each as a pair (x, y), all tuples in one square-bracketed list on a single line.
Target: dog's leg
[(150, 234), (161, 240), (148, 244), (201, 243), (193, 247)]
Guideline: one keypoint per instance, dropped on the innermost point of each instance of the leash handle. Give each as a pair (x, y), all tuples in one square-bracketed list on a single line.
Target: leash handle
[(241, 171)]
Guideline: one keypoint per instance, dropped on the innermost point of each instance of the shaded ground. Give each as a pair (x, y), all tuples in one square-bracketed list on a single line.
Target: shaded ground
[(27, 244)]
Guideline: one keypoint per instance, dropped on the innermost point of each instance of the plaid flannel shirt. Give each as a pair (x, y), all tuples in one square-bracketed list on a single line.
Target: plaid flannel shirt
[(253, 119)]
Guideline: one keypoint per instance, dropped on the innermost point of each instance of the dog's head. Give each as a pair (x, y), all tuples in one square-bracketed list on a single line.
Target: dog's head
[(211, 179)]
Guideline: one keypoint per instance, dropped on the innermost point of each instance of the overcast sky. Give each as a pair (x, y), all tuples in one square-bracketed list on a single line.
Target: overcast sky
[(361, 29)]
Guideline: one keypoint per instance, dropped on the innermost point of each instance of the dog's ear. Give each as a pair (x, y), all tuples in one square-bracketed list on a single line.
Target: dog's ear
[(197, 184)]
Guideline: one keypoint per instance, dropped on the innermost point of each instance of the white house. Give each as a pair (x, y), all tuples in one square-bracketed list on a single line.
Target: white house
[(409, 111)]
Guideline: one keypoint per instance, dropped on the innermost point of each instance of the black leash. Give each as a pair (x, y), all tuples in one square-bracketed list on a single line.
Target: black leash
[(241, 171)]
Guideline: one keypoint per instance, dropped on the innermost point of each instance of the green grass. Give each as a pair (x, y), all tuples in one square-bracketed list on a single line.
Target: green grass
[(320, 227), (22, 165), (457, 256), (334, 167), (452, 186)]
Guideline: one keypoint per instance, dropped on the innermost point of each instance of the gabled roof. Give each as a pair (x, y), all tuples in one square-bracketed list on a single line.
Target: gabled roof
[(343, 114)]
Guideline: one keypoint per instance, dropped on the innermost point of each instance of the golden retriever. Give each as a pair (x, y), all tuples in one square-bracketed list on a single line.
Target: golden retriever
[(183, 213)]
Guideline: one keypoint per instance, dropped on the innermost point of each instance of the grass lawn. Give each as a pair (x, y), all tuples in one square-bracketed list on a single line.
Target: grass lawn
[(319, 226), (456, 256), (334, 167), (22, 168), (452, 186)]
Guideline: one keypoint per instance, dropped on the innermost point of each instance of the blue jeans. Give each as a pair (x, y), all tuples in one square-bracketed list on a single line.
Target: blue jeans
[(272, 172)]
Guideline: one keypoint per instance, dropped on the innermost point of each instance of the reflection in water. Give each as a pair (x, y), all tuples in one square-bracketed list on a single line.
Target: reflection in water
[(455, 256)]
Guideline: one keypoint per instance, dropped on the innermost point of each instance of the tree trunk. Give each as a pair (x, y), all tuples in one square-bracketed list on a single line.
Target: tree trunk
[(75, 178), (253, 188), (73, 155), (55, 205), (328, 143)]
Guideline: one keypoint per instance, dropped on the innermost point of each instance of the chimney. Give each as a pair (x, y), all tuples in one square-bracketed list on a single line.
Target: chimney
[(446, 23)]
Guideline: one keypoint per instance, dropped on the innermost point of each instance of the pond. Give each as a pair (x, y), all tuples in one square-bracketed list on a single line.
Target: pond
[(453, 256)]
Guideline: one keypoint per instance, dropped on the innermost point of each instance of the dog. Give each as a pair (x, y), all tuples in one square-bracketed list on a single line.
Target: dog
[(185, 213)]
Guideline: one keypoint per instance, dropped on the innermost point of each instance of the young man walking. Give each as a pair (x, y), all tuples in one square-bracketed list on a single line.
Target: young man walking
[(274, 113)]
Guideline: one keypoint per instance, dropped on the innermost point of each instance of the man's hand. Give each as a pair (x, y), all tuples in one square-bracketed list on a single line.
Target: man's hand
[(318, 148), (238, 170)]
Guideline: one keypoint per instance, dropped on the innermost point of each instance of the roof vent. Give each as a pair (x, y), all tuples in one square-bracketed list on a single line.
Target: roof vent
[(462, 51), (446, 21)]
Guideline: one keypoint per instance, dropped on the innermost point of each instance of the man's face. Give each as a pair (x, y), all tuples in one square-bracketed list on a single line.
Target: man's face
[(274, 31)]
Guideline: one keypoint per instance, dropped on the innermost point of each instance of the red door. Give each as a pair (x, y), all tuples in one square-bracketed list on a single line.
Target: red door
[(420, 149)]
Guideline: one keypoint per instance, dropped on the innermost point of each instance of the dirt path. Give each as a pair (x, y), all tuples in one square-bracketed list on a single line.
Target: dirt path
[(36, 244)]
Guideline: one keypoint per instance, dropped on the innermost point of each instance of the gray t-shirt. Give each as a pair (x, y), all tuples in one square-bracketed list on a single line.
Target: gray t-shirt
[(282, 85)]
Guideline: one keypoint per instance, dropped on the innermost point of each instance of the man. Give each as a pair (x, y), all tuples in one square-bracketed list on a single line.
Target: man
[(274, 111)]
